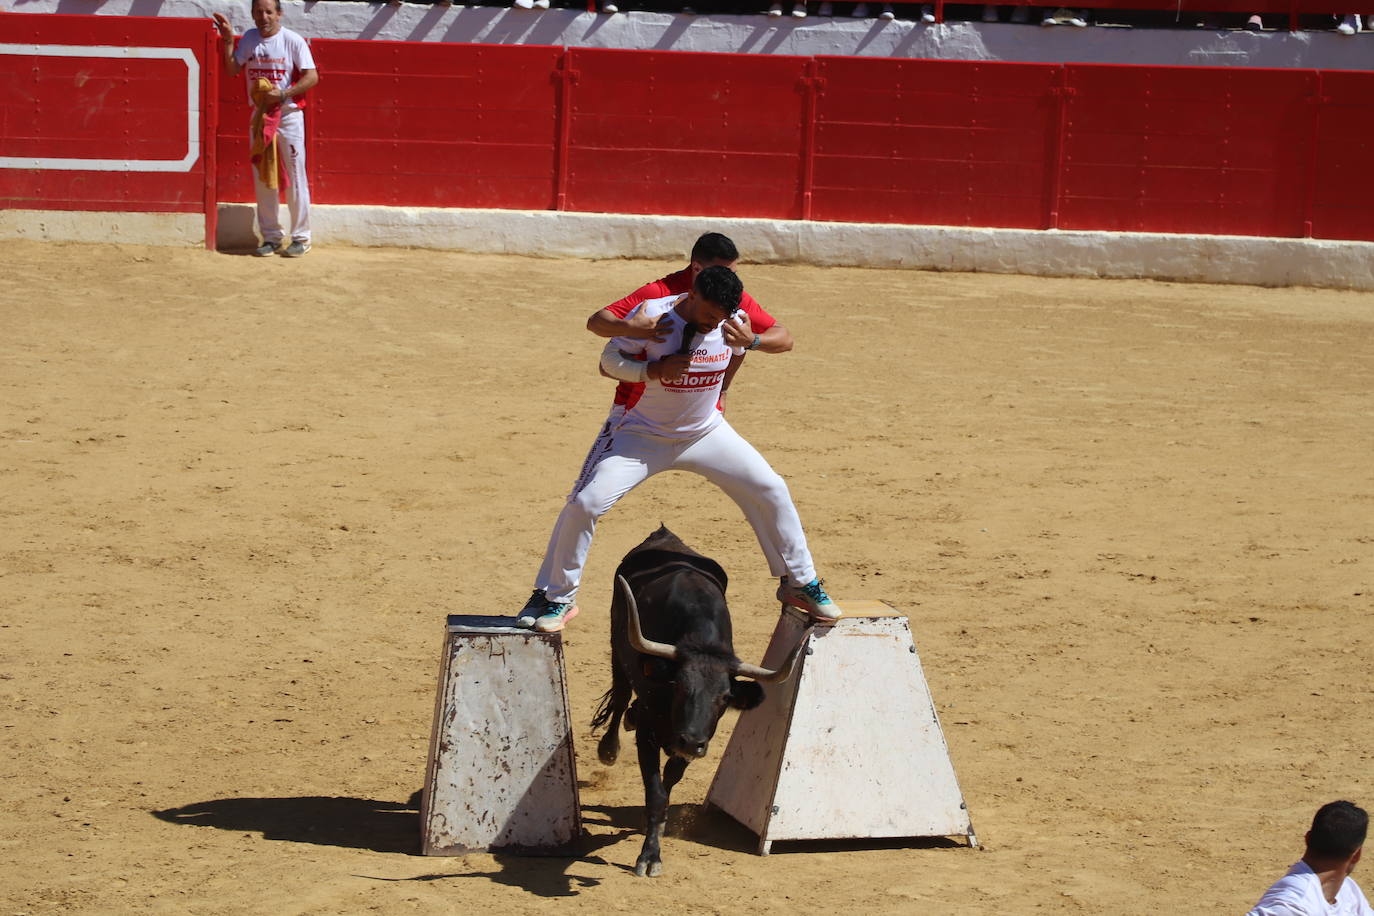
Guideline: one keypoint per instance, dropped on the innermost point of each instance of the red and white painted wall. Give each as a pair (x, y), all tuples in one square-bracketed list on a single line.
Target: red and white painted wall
[(1237, 174)]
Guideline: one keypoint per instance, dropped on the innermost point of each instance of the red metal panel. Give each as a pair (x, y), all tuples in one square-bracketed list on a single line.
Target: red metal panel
[(940, 142), (685, 133), (414, 173), (77, 96), (93, 108), (1185, 149), (406, 124), (1343, 195)]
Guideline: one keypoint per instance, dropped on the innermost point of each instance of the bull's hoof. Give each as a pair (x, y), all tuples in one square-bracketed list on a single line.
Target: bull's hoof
[(647, 869), (608, 748)]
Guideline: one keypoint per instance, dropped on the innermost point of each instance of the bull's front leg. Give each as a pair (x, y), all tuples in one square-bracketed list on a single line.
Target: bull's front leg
[(656, 789)]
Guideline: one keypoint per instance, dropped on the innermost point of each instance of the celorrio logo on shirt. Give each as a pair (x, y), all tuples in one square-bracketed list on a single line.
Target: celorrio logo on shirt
[(695, 381), (269, 68)]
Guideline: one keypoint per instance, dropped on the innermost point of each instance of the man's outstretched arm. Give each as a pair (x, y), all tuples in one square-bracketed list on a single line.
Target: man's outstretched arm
[(639, 326)]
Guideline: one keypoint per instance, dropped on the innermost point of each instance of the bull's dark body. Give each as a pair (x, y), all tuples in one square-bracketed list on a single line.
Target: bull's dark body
[(672, 706)]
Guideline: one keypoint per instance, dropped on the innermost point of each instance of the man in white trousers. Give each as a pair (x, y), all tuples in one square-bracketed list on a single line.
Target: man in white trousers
[(675, 425), (281, 57), (752, 329)]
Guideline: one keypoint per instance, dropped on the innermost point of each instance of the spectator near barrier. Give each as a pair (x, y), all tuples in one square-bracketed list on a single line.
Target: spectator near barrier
[(282, 59)]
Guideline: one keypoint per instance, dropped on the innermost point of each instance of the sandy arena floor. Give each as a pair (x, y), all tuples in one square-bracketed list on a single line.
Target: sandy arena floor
[(1132, 524)]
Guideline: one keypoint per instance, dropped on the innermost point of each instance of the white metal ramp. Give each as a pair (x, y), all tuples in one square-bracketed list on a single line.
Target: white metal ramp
[(501, 773), (850, 747)]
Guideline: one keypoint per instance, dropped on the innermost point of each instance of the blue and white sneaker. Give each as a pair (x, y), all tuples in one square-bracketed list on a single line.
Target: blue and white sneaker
[(555, 615), (810, 598), (545, 616)]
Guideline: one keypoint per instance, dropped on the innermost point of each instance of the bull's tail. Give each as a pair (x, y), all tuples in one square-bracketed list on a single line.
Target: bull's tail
[(608, 713), (604, 710)]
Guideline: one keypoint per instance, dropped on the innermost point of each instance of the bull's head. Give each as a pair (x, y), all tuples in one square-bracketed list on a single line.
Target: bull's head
[(704, 683)]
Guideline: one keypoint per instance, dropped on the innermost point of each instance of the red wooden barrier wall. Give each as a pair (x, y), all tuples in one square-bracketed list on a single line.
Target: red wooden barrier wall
[(682, 133), (1036, 146), (104, 113)]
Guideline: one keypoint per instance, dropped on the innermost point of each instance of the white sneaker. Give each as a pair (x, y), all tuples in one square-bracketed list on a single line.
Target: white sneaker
[(523, 4), (609, 9), (541, 4), (860, 11), (799, 11), (887, 14), (1077, 21), (1350, 24), (775, 10), (927, 14)]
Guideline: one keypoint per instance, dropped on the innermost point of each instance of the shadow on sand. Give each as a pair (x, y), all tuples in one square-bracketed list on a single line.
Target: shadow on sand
[(389, 827), (357, 823)]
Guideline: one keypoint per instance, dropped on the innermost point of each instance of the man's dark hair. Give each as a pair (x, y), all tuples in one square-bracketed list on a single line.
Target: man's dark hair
[(1338, 830), (714, 247), (720, 285)]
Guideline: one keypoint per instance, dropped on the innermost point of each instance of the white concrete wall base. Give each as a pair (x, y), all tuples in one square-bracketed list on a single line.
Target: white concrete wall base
[(546, 233), (173, 229)]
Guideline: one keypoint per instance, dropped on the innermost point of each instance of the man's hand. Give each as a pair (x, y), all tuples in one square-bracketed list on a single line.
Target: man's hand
[(226, 31), (670, 368), (641, 327), (737, 330)]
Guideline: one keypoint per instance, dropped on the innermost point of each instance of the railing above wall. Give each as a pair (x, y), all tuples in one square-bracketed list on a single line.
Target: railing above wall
[(1292, 9)]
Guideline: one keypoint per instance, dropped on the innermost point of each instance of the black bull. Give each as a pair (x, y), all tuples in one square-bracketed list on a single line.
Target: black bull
[(673, 670)]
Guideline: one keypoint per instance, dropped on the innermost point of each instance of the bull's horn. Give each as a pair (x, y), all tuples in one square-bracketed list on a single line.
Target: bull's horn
[(765, 676), (637, 640)]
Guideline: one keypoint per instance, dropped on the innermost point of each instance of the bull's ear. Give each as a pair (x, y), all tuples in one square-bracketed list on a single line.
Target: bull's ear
[(745, 694)]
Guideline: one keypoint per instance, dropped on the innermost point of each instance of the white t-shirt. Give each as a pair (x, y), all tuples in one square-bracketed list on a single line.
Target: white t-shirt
[(280, 60), (1299, 893), (684, 408)]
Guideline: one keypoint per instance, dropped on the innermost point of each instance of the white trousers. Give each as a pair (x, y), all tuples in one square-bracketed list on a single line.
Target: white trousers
[(291, 153), (722, 456), (588, 465)]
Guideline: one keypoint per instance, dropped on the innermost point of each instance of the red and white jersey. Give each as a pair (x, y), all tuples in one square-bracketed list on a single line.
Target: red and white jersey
[(686, 407), (280, 60), (675, 284)]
